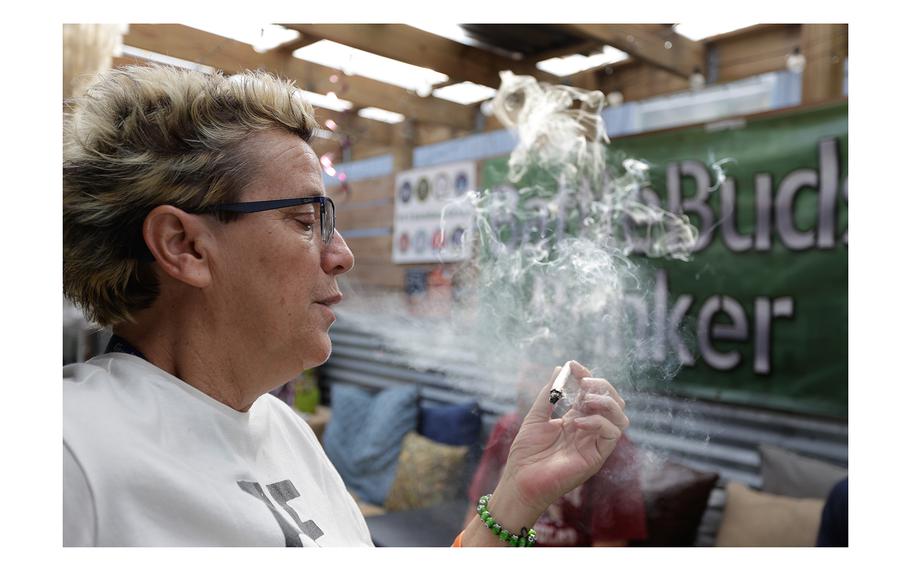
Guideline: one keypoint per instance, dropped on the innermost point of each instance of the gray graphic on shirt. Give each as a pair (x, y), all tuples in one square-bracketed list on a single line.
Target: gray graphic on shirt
[(282, 492)]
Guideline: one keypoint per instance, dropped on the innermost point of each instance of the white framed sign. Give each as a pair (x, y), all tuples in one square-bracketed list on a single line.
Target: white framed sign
[(433, 217)]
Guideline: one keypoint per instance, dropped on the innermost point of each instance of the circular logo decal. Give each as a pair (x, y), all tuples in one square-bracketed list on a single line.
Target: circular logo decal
[(420, 241), (404, 192), (438, 239), (441, 186), (404, 243), (461, 183), (457, 236), (423, 189)]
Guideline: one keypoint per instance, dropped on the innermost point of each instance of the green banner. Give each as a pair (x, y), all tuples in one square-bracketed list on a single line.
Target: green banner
[(765, 294)]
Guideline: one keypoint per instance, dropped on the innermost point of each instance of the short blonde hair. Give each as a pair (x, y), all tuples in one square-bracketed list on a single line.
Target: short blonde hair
[(143, 136)]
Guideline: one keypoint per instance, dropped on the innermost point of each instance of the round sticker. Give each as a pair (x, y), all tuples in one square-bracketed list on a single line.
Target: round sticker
[(423, 189), (404, 242), (438, 239), (404, 192), (441, 185), (457, 236), (420, 241), (461, 183)]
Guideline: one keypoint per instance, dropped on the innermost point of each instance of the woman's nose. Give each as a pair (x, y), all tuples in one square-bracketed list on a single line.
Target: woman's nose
[(337, 257)]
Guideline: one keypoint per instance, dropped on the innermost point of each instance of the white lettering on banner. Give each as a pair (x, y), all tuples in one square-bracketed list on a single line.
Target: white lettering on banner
[(793, 238), (697, 204), (735, 241), (774, 211), (765, 310), (722, 327), (663, 326), (667, 326), (708, 329), (780, 207), (763, 201), (829, 172)]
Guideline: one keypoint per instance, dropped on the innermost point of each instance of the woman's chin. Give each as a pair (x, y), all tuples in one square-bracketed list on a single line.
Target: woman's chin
[(322, 350)]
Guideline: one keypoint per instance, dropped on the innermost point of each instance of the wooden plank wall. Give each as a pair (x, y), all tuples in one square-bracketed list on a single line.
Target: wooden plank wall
[(758, 50), (369, 204)]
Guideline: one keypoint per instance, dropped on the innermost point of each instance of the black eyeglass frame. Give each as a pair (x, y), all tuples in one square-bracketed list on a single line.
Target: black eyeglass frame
[(326, 221)]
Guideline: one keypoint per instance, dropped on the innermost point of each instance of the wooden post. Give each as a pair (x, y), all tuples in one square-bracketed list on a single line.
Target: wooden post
[(403, 138), (825, 48)]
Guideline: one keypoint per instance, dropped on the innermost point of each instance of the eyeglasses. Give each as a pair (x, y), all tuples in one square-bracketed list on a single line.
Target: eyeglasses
[(326, 210)]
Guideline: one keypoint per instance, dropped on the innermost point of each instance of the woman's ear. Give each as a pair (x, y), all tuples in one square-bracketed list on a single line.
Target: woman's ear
[(181, 244)]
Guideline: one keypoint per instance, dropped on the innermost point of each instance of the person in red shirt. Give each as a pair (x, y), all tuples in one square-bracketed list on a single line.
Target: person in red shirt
[(607, 510)]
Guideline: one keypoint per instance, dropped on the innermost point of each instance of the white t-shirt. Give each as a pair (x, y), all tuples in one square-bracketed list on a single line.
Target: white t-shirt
[(148, 460)]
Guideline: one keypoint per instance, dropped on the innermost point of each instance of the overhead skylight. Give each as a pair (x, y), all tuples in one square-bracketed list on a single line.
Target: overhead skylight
[(700, 31), (466, 93), (356, 62), (453, 32), (329, 101), (381, 115), (262, 37), (458, 34), (571, 64)]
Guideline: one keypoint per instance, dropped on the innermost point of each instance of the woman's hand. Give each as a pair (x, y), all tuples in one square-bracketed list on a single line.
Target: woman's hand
[(552, 456)]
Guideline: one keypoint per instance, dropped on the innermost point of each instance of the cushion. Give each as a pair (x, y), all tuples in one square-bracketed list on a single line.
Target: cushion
[(790, 474), (363, 438), (753, 518), (675, 499), (453, 424), (428, 473)]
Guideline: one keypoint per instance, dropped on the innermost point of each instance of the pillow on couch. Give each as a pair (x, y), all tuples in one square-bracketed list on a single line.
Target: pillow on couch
[(428, 473), (363, 438), (453, 424), (753, 518), (790, 474), (675, 500)]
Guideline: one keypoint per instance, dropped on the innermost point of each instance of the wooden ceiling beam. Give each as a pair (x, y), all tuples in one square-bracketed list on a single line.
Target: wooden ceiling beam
[(646, 43), (233, 56), (424, 49), (583, 47), (295, 44), (356, 127)]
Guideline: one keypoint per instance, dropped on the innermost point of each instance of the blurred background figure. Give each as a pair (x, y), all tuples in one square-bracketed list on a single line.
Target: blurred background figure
[(833, 530)]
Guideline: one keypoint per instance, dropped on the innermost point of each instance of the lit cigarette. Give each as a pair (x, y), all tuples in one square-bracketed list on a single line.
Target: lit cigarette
[(559, 386)]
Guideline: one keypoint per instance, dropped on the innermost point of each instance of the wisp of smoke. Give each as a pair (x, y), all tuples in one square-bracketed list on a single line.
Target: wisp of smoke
[(554, 271)]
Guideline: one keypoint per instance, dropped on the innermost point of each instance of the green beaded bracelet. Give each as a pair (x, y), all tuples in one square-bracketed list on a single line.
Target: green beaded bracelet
[(527, 537)]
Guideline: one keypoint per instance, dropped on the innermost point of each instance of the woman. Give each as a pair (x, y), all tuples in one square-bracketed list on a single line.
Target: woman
[(196, 225)]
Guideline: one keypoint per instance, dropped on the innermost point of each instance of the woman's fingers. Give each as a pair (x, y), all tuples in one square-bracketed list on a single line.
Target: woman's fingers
[(579, 370), (601, 386), (605, 398), (541, 408), (606, 406), (599, 424)]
